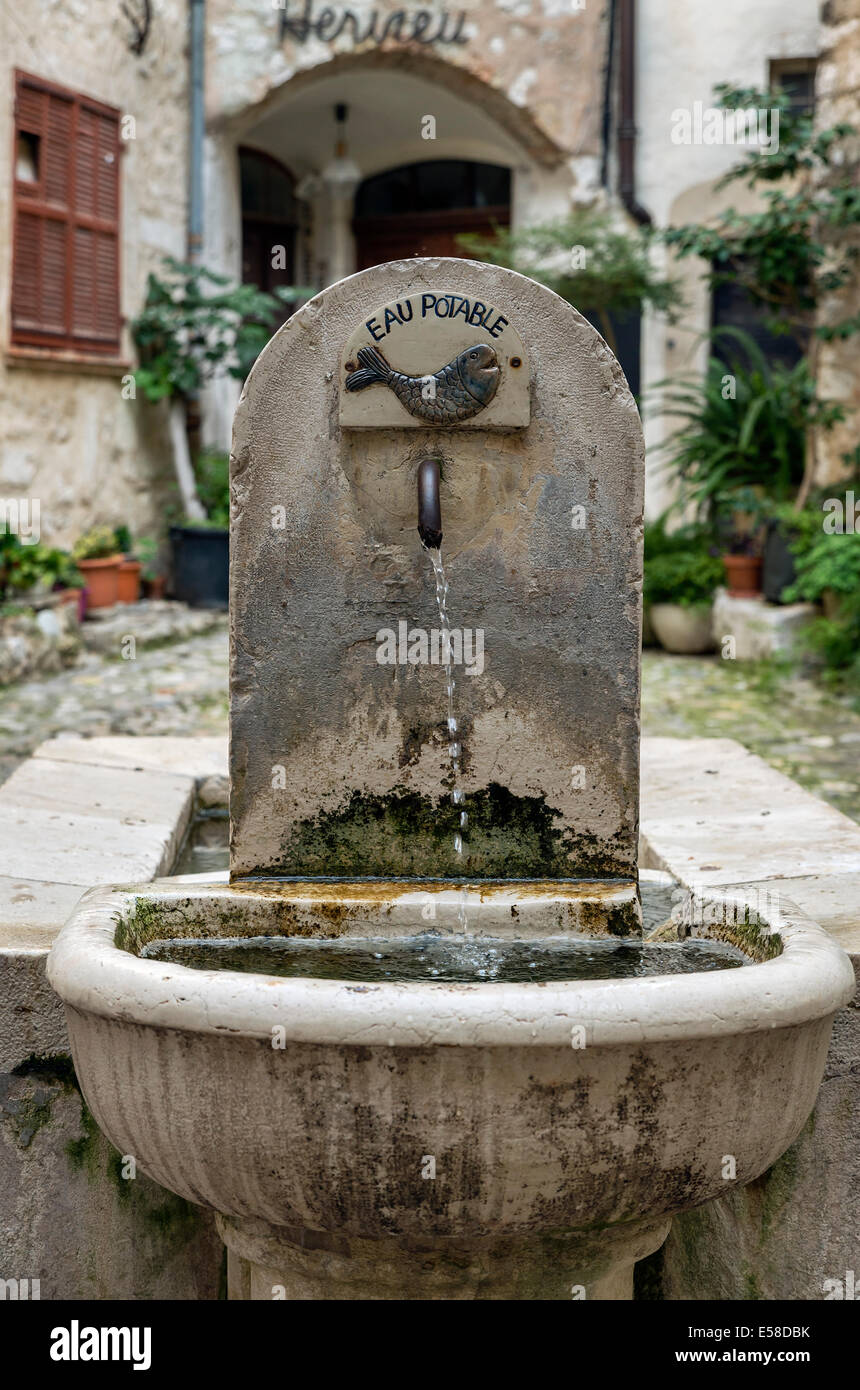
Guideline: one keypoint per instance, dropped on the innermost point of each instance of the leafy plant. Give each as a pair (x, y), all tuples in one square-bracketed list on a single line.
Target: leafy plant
[(146, 551), (212, 470), (195, 323), (24, 568), (799, 245), (588, 259), (831, 563), (688, 578), (123, 540), (99, 543), (680, 566), (743, 425)]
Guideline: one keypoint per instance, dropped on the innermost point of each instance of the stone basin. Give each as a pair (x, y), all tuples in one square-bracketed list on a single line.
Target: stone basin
[(430, 1140)]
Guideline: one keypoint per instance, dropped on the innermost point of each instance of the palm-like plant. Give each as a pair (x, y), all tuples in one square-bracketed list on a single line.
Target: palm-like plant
[(742, 425)]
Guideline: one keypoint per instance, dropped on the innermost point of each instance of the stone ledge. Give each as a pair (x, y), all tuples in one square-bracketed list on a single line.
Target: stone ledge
[(759, 629), (150, 622), (715, 815), (84, 811), (38, 642)]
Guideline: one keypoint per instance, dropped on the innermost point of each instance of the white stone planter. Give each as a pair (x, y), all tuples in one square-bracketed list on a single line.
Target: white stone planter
[(683, 630), (556, 1166)]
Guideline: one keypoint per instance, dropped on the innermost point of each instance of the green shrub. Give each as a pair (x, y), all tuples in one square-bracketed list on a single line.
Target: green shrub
[(27, 567), (212, 472), (830, 562), (99, 543), (684, 576)]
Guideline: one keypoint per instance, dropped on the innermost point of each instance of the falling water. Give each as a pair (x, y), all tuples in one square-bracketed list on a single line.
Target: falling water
[(454, 743)]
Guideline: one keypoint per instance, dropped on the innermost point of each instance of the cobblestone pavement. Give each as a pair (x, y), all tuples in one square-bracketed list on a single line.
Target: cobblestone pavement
[(793, 723), (182, 689), (175, 689)]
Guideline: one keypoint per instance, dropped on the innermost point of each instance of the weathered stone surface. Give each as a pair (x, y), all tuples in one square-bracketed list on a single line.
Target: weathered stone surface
[(191, 757), (759, 629), (38, 643), (794, 1232), (150, 622), (713, 813), (67, 1216), (550, 728)]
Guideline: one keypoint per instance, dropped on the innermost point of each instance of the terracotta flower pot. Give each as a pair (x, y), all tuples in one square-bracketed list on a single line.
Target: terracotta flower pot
[(102, 580), (128, 587), (681, 629), (743, 575)]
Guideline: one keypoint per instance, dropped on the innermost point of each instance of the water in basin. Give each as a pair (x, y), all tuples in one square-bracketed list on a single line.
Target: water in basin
[(371, 960)]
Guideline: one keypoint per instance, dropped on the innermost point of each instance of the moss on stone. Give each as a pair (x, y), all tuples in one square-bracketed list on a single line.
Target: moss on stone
[(403, 834), (83, 1153), (31, 1108)]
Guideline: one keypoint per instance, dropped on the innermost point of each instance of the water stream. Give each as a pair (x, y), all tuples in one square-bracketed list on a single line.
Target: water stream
[(455, 747)]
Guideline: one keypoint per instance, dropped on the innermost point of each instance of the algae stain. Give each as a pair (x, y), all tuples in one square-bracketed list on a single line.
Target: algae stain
[(29, 1090), (406, 834)]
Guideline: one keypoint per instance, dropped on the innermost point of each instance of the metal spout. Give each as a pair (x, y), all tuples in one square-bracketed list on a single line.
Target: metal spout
[(429, 508)]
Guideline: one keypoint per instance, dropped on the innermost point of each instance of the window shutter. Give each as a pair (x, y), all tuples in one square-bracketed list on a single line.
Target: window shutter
[(65, 288)]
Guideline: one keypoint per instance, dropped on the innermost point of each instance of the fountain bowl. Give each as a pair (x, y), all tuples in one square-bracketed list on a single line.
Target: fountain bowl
[(437, 1140)]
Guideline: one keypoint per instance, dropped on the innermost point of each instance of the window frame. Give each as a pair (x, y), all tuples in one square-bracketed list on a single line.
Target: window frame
[(42, 341)]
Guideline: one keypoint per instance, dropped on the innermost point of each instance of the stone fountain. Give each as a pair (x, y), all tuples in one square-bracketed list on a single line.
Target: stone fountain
[(468, 1137)]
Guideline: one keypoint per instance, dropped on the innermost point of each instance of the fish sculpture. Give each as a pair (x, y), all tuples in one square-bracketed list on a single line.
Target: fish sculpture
[(456, 392)]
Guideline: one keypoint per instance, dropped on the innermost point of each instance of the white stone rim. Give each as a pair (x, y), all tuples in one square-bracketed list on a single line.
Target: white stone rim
[(810, 980)]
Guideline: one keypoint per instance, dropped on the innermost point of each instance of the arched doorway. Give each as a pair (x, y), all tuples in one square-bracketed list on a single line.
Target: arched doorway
[(421, 209)]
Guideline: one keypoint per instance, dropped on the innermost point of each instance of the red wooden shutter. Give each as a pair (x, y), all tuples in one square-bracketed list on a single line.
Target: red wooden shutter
[(65, 283)]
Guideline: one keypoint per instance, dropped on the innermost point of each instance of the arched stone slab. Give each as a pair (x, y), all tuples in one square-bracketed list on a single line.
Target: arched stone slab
[(339, 760)]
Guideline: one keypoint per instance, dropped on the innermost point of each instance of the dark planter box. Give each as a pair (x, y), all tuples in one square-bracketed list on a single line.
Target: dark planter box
[(200, 565), (778, 562)]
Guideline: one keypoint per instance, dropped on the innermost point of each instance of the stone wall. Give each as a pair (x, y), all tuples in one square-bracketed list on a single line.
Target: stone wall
[(67, 436)]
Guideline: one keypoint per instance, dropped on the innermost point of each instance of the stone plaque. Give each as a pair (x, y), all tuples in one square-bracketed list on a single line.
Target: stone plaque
[(443, 359)]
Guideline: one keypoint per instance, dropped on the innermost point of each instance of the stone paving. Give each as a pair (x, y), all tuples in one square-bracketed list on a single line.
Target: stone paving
[(176, 689), (794, 724)]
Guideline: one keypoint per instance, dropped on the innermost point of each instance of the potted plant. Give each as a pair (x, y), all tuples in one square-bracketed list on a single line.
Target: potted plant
[(680, 580), (740, 534), (152, 580), (128, 586), (98, 559), (828, 572), (200, 550)]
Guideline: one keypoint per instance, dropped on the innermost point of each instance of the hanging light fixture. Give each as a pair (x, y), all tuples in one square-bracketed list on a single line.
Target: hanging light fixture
[(341, 175)]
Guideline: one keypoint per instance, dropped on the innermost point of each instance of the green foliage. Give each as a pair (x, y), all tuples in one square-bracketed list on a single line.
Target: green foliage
[(123, 540), (830, 563), (793, 250), (24, 568), (96, 544), (743, 425), (687, 577), (146, 551), (195, 322), (617, 273), (212, 472)]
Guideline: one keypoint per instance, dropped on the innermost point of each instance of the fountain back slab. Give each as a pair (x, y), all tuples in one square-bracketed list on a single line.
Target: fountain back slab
[(339, 747)]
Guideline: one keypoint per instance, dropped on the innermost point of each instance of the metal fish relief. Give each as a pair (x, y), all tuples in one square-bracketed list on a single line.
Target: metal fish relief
[(456, 392)]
